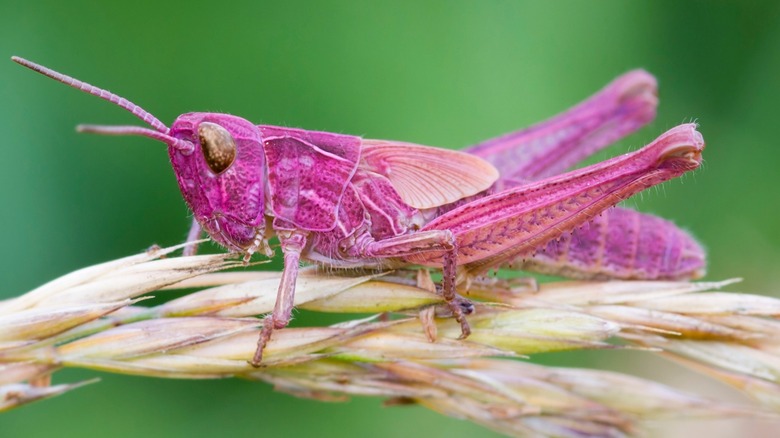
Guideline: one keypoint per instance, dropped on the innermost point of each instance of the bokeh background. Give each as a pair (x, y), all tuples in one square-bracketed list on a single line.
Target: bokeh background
[(445, 73)]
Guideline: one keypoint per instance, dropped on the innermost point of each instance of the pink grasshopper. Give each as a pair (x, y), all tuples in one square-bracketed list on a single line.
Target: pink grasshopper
[(348, 202)]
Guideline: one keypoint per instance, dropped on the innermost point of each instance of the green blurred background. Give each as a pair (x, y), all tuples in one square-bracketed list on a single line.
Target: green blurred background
[(445, 73)]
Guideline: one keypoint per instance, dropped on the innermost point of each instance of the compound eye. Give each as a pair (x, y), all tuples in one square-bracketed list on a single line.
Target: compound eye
[(219, 148)]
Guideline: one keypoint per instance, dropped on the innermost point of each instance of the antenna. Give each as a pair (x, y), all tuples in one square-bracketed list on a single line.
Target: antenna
[(162, 130)]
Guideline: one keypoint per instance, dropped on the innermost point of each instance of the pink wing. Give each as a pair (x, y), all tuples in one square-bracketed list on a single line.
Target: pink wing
[(428, 177)]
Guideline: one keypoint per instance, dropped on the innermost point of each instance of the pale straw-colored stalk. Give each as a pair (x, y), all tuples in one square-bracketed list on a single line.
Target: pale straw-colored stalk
[(95, 318)]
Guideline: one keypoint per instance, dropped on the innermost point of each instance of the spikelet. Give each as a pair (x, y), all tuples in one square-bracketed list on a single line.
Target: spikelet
[(94, 318)]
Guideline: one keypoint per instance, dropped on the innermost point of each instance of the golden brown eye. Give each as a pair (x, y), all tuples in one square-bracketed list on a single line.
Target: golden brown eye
[(218, 146)]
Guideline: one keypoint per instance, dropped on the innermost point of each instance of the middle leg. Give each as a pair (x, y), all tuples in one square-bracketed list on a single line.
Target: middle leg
[(426, 242)]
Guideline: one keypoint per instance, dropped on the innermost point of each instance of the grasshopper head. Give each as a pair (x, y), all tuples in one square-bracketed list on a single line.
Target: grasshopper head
[(223, 178)]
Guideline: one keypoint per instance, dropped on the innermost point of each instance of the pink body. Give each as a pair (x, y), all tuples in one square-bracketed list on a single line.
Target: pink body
[(315, 182), (346, 201)]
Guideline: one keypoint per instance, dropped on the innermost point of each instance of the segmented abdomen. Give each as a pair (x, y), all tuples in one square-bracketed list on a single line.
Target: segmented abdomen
[(621, 244)]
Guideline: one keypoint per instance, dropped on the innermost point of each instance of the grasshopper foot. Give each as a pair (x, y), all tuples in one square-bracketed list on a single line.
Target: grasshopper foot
[(154, 249), (456, 308), (457, 305), (460, 308), (427, 316), (265, 336)]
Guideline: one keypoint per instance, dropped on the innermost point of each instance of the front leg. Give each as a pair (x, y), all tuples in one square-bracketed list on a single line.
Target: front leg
[(192, 237), (292, 243)]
